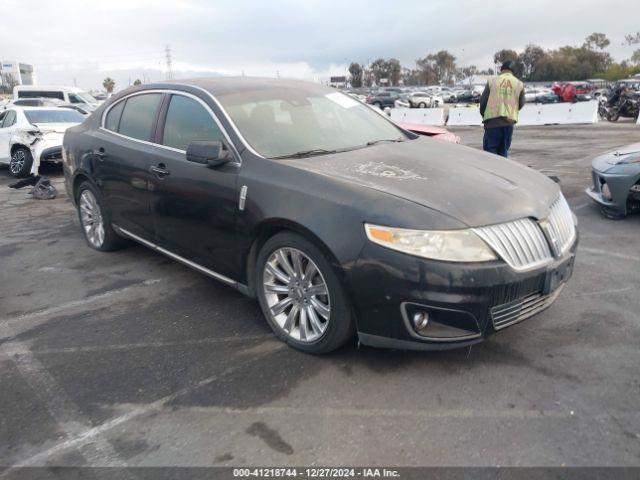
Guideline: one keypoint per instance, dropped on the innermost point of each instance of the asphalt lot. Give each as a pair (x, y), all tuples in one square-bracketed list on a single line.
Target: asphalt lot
[(129, 358)]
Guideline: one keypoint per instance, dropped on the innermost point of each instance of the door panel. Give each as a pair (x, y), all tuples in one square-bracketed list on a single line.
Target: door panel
[(8, 117), (195, 210), (121, 169), (122, 160), (195, 207)]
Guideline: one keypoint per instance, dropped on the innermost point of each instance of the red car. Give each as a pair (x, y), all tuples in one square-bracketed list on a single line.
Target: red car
[(572, 91), (438, 133)]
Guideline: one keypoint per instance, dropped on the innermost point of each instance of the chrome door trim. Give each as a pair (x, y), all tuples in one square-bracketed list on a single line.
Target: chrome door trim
[(233, 125), (173, 92), (175, 256)]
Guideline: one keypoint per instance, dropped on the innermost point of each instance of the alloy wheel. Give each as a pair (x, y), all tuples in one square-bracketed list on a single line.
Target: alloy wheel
[(17, 161), (91, 218), (297, 295)]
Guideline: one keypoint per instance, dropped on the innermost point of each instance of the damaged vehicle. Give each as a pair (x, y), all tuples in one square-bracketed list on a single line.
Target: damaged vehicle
[(432, 131), (616, 181), (334, 218), (31, 135)]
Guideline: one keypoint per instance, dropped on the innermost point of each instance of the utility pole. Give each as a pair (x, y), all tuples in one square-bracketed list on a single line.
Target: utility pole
[(167, 52)]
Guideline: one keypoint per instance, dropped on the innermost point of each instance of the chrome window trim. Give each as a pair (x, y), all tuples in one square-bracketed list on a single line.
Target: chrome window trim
[(244, 140), (175, 256), (103, 118), (228, 117)]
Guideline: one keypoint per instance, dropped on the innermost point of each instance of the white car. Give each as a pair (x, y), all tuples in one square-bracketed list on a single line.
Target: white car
[(424, 100), (530, 94), (72, 95), (30, 135)]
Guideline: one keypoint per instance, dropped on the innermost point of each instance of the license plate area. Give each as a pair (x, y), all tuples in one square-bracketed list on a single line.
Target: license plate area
[(557, 276)]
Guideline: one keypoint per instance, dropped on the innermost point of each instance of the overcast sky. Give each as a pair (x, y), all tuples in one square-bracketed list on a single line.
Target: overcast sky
[(87, 40)]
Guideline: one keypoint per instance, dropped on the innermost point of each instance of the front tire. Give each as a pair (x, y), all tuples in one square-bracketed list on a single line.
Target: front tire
[(21, 162), (94, 220), (301, 296)]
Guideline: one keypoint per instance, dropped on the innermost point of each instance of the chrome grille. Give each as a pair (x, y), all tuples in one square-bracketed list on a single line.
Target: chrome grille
[(526, 244), (513, 312), (520, 243), (559, 226)]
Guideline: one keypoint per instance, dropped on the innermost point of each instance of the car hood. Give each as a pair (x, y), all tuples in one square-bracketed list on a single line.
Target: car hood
[(607, 161), (469, 185)]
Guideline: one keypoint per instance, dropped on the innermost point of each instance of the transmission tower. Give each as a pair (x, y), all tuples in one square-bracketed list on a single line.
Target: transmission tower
[(167, 52)]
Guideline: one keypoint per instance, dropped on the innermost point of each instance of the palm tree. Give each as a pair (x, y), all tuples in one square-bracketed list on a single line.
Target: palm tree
[(109, 84)]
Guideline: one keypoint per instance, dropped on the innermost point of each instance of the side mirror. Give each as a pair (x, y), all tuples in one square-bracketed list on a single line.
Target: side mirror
[(212, 154)]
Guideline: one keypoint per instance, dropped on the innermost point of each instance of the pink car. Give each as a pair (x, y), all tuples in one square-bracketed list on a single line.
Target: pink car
[(438, 133)]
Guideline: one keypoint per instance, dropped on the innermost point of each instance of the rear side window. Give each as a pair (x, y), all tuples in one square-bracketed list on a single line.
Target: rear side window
[(113, 117), (187, 121), (40, 93), (138, 116)]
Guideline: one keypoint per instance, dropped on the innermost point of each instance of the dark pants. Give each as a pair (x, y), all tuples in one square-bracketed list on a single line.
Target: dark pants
[(497, 140)]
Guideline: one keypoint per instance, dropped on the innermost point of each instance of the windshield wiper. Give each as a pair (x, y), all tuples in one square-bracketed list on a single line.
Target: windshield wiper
[(307, 153), (393, 140)]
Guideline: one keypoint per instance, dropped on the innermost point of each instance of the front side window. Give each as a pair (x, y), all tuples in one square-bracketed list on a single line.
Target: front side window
[(188, 121), (9, 119), (59, 115), (280, 121), (139, 115)]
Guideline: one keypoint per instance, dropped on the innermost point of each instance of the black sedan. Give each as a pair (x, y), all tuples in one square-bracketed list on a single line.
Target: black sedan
[(336, 219)]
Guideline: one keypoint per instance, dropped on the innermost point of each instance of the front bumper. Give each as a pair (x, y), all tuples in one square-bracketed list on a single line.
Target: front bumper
[(619, 186), (466, 302)]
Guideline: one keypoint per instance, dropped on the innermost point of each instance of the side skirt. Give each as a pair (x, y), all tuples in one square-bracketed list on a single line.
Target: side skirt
[(239, 286)]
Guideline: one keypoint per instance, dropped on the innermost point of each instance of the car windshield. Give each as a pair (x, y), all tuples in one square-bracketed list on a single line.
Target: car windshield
[(304, 121), (61, 115)]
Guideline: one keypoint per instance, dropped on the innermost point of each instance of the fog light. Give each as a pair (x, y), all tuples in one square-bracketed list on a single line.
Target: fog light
[(606, 193), (420, 320)]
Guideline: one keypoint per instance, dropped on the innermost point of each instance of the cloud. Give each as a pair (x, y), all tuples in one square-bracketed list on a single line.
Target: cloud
[(88, 40)]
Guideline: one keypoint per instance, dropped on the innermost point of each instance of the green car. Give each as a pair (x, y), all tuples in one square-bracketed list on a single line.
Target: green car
[(616, 181)]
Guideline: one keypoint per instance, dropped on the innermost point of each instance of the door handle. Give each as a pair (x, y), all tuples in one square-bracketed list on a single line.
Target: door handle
[(160, 171)]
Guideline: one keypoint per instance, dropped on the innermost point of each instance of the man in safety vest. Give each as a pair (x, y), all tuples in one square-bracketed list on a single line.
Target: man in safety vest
[(501, 101)]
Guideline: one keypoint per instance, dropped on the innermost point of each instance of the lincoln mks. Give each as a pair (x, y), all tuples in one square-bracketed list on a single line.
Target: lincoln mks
[(338, 221)]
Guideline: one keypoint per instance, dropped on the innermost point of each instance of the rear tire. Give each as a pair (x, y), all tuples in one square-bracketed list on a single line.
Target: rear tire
[(21, 162), (301, 295), (94, 220), (422, 105)]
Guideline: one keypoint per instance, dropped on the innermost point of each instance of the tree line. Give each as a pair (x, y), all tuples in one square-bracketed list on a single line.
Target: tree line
[(534, 64)]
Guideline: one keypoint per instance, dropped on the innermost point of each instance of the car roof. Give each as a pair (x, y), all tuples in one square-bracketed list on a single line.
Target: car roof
[(226, 85)]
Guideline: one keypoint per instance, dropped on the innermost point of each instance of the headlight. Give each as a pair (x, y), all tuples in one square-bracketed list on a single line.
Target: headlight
[(448, 246)]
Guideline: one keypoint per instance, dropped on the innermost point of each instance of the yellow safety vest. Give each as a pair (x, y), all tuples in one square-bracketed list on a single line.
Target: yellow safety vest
[(504, 97)]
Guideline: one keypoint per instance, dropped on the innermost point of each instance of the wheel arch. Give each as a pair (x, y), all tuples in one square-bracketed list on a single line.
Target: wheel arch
[(77, 180), (17, 145), (267, 229)]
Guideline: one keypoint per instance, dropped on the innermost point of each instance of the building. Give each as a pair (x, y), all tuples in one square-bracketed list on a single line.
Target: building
[(14, 73)]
